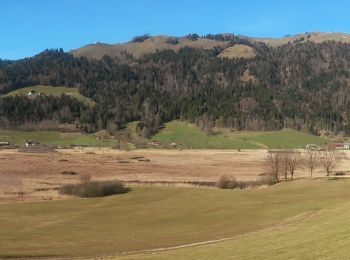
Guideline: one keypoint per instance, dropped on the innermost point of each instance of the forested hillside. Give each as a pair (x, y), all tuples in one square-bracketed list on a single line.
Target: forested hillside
[(304, 86)]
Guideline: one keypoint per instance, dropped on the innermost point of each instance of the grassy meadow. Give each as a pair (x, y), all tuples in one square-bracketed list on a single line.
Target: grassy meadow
[(324, 236), (190, 136), (54, 138), (156, 217), (187, 135), (53, 91)]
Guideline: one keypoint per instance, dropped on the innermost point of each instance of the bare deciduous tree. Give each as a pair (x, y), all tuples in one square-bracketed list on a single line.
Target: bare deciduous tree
[(294, 161), (311, 161), (329, 161), (284, 164), (274, 161)]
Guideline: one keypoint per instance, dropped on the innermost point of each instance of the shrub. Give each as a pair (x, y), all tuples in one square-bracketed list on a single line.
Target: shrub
[(90, 189), (123, 161), (340, 174), (144, 160), (136, 157), (267, 179), (226, 182), (69, 173)]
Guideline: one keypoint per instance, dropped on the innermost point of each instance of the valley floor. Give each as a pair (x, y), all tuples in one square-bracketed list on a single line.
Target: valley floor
[(170, 219), (296, 220), (38, 175)]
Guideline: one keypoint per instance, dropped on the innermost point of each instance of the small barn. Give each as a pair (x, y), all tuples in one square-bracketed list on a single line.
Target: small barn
[(32, 94), (340, 146), (31, 143), (4, 143)]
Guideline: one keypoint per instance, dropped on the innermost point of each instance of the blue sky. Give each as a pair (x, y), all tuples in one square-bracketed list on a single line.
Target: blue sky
[(29, 26)]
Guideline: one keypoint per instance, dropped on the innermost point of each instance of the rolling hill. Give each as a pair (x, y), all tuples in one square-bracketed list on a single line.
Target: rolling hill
[(188, 135), (138, 49), (152, 44)]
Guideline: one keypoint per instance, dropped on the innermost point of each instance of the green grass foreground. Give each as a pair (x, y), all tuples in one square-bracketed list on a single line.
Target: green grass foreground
[(190, 136), (156, 217), (324, 235), (53, 138), (53, 91)]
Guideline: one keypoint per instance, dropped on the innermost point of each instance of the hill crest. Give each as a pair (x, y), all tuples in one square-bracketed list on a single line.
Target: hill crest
[(151, 44)]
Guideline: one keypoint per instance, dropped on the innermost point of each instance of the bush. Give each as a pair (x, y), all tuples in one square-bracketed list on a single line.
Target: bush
[(90, 189), (340, 174), (267, 179), (69, 173), (226, 182)]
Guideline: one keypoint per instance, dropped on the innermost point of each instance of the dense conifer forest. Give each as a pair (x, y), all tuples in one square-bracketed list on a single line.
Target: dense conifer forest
[(303, 86)]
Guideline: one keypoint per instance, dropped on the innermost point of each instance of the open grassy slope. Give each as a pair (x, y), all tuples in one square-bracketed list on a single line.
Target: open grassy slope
[(151, 45), (324, 235), (155, 217), (317, 37), (53, 91), (187, 136), (138, 49), (238, 51), (190, 136), (53, 138)]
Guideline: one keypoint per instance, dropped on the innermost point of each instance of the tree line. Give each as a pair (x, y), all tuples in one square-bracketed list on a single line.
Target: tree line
[(284, 163)]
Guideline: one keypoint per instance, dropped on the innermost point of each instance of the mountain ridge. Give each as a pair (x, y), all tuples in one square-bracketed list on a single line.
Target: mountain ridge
[(152, 44)]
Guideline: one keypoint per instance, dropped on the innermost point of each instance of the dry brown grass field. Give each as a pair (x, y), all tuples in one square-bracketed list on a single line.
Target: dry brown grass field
[(37, 176)]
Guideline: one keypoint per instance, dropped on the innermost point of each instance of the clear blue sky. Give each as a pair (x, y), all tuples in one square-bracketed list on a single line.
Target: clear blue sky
[(29, 26)]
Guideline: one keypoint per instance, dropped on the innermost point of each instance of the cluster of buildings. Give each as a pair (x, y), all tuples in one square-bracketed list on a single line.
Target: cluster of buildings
[(31, 143), (333, 146), (157, 144)]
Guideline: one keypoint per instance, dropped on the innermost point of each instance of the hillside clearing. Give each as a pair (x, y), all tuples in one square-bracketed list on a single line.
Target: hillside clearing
[(190, 136), (53, 138), (139, 49), (53, 91), (160, 42), (238, 51)]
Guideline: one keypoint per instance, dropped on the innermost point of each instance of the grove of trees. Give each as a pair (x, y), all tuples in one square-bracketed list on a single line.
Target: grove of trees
[(286, 162)]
